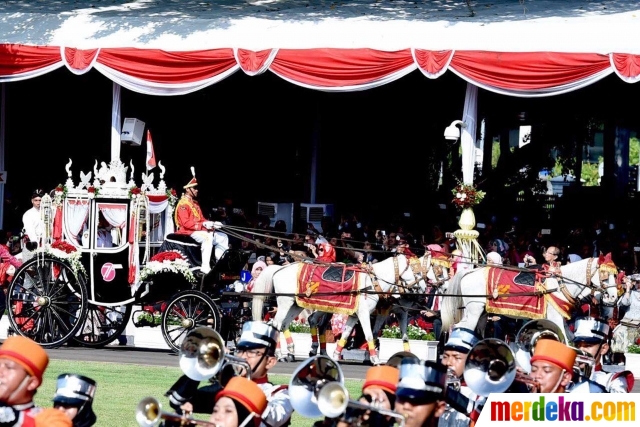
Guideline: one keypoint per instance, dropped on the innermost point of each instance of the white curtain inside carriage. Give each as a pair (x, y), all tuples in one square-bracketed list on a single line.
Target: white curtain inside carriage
[(76, 213)]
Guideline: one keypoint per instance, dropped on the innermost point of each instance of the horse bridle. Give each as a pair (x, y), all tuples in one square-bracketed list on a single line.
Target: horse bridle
[(574, 300)]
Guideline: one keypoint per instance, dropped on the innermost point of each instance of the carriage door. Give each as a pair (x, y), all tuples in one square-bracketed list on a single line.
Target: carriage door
[(110, 251)]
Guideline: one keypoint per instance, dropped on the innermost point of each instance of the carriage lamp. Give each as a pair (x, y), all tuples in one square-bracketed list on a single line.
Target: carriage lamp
[(452, 132)]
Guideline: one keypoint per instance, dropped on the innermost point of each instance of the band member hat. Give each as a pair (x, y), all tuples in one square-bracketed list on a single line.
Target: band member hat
[(28, 353), (590, 330), (555, 352), (421, 382), (74, 389), (245, 392), (385, 377), (256, 334), (461, 340)]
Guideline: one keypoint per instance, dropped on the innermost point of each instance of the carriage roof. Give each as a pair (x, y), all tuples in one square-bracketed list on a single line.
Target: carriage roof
[(110, 181)]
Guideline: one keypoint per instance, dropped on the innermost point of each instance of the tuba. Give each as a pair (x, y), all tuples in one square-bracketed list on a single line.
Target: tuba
[(149, 414), (529, 335), (316, 389), (491, 368), (203, 356)]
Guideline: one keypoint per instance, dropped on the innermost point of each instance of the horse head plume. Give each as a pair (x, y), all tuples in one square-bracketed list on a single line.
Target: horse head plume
[(193, 171)]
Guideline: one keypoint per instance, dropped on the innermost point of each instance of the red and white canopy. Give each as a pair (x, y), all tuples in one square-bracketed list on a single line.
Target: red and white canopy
[(154, 47)]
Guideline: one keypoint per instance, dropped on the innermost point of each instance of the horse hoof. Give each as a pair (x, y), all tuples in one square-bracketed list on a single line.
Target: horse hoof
[(323, 353), (375, 360), (313, 352), (337, 356), (291, 358), (283, 359)]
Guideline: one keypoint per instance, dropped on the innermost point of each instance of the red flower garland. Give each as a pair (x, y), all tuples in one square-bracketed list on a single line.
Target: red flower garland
[(63, 246), (167, 256)]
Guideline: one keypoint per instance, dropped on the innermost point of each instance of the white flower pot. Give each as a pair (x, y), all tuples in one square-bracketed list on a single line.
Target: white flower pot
[(633, 363), (425, 350)]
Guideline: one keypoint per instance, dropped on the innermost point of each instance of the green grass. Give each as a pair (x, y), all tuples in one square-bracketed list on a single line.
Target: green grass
[(122, 386)]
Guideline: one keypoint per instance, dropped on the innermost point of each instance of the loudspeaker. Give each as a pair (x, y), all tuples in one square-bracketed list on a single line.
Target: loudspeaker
[(132, 131)]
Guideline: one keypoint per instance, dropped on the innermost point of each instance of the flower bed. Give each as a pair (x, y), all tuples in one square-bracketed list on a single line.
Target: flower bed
[(414, 333)]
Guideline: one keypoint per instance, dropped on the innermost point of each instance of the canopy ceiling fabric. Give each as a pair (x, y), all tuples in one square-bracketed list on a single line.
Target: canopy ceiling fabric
[(524, 48), (159, 72)]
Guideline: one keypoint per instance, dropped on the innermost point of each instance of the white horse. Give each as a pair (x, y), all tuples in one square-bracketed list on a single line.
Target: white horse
[(284, 282), (577, 280)]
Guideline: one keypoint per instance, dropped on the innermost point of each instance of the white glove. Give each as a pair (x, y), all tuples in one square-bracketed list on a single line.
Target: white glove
[(217, 225), (208, 225)]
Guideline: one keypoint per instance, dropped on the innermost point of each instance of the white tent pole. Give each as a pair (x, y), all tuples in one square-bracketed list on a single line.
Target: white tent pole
[(468, 140), (2, 142), (116, 123)]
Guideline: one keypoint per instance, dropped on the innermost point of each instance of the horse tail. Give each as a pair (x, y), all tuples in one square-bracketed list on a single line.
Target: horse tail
[(263, 285), (450, 311)]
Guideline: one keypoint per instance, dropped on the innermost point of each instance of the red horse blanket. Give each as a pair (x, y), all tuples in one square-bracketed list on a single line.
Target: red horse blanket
[(501, 282), (318, 289)]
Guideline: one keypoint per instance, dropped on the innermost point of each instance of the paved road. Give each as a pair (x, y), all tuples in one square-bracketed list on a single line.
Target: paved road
[(141, 356)]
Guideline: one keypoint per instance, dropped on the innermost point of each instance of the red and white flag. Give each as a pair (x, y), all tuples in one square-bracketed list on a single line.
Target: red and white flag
[(151, 155)]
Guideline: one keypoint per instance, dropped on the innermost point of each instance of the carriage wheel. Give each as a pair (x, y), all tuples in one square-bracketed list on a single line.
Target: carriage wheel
[(186, 311), (47, 301), (103, 325)]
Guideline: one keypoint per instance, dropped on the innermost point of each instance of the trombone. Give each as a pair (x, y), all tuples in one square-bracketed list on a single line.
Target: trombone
[(316, 389), (203, 356), (149, 414)]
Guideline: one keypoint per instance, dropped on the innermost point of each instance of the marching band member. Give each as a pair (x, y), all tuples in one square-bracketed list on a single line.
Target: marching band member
[(592, 335), (552, 366), (191, 221), (456, 350), (22, 365), (379, 390), (256, 346), (74, 396), (240, 403), (420, 392)]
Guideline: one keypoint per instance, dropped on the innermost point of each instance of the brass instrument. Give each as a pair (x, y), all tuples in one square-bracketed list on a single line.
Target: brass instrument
[(529, 335), (316, 389), (452, 380), (149, 414), (203, 356), (584, 364), (333, 401), (491, 368)]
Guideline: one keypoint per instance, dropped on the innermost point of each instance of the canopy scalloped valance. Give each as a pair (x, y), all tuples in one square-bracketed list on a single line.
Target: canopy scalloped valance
[(159, 72)]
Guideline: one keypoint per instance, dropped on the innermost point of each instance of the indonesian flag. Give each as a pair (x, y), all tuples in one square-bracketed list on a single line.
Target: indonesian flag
[(151, 155)]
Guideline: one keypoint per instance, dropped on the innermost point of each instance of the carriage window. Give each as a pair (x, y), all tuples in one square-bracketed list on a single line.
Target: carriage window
[(156, 227), (111, 224), (76, 220)]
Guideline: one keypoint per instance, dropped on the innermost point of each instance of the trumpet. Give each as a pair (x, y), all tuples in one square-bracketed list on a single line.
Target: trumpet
[(316, 389), (333, 401), (584, 363), (149, 414), (452, 380), (203, 356)]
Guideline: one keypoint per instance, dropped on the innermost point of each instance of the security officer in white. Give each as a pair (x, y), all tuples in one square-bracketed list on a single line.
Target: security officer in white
[(592, 335)]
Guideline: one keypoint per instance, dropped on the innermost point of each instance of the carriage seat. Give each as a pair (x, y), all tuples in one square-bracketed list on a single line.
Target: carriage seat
[(184, 244)]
